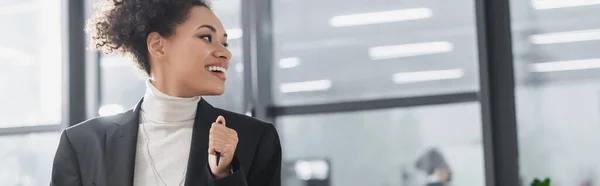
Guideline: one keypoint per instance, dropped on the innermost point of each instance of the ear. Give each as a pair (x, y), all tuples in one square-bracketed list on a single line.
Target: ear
[(155, 43)]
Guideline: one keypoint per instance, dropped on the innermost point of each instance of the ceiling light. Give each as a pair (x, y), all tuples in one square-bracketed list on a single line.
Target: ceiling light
[(566, 65), (565, 37), (234, 33), (552, 4), (289, 62), (318, 85), (422, 76), (380, 17), (407, 50)]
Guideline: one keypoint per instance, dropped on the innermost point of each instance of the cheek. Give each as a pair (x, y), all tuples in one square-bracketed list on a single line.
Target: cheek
[(191, 56)]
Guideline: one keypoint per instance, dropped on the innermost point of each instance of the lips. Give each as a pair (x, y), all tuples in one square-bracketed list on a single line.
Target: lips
[(217, 71)]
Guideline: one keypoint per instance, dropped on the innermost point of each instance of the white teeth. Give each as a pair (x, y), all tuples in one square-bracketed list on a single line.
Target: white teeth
[(216, 69)]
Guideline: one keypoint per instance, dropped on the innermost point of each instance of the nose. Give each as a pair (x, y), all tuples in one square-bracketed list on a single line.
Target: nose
[(222, 53)]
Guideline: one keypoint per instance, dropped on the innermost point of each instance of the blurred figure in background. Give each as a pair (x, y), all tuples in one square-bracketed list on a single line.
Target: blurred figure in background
[(434, 165)]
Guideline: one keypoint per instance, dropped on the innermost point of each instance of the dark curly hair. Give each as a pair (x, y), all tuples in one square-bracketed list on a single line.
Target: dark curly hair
[(124, 25)]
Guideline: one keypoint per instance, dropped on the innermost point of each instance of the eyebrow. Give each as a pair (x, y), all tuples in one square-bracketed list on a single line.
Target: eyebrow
[(211, 28)]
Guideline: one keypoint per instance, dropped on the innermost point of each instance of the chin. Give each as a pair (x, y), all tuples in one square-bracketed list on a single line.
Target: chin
[(208, 88), (215, 91)]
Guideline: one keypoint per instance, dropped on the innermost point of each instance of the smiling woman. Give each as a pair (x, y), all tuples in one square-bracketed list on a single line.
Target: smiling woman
[(177, 51), (172, 136)]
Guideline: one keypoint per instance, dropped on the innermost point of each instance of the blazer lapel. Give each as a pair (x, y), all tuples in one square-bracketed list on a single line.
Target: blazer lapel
[(197, 173), (121, 145)]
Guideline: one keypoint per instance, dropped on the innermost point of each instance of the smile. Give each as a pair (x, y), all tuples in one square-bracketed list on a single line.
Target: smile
[(218, 71)]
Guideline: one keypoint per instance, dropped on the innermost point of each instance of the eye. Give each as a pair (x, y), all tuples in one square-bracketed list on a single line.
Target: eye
[(225, 45), (206, 37)]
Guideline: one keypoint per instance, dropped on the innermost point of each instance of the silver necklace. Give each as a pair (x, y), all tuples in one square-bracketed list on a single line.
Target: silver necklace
[(156, 174)]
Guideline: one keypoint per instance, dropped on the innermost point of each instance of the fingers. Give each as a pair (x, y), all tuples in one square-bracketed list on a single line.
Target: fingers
[(224, 148), (221, 120), (221, 130), (221, 138), (224, 137), (212, 150)]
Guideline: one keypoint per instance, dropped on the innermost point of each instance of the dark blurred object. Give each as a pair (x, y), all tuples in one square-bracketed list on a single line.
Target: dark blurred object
[(586, 183), (434, 164), (538, 182)]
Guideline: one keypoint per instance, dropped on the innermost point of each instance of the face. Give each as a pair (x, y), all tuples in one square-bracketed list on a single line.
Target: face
[(194, 60)]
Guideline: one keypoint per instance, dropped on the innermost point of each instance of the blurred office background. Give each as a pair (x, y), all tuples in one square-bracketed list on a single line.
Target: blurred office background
[(422, 56)]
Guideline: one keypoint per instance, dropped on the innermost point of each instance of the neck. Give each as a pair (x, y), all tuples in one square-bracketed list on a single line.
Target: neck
[(159, 106), (171, 88)]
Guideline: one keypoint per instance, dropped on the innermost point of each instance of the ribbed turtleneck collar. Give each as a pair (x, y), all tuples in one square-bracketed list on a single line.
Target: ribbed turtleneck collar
[(159, 107)]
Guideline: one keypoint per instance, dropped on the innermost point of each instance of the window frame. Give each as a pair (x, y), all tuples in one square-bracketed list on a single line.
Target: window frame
[(496, 95)]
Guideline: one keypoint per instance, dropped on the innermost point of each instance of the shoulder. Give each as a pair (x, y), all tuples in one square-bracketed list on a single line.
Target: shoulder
[(91, 128)]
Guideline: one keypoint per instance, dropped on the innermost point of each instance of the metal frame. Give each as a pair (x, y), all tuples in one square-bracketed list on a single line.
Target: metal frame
[(497, 90), (93, 83), (29, 129), (258, 55), (77, 62), (92, 72), (374, 104)]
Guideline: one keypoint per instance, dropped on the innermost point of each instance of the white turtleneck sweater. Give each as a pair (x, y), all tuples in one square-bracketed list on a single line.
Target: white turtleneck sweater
[(164, 138)]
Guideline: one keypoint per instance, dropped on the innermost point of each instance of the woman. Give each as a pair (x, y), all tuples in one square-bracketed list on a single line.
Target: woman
[(172, 136)]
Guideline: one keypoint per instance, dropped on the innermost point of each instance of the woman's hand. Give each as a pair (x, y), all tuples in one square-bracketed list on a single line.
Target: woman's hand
[(223, 140)]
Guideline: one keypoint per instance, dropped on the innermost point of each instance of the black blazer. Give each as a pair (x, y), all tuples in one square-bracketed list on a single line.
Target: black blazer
[(101, 151)]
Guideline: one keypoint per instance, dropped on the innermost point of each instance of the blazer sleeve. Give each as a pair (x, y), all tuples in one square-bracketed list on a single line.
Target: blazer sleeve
[(266, 166), (65, 169)]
